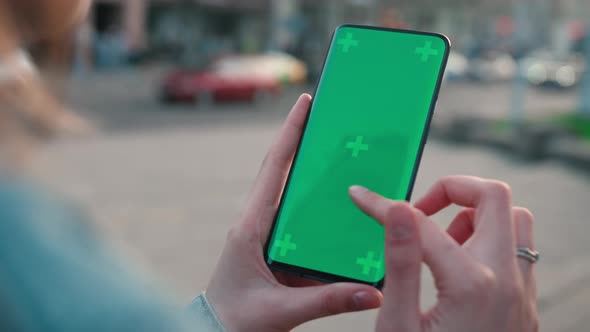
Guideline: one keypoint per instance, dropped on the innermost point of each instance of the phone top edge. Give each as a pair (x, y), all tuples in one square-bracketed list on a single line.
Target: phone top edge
[(441, 36)]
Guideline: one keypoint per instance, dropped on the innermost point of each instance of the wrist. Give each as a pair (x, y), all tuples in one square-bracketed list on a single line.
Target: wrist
[(207, 314)]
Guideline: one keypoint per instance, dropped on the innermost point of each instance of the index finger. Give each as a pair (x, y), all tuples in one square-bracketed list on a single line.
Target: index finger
[(492, 201), (271, 179)]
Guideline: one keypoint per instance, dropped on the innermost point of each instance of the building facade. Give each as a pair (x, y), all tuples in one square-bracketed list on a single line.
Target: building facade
[(155, 27), (303, 27)]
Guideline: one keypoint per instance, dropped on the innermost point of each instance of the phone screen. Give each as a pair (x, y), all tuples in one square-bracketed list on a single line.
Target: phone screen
[(367, 126)]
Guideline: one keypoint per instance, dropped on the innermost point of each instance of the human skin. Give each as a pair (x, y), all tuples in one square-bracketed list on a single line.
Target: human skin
[(244, 292), (482, 285), (36, 20)]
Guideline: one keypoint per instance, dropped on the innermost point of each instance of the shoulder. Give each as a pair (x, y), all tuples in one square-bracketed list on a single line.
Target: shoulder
[(54, 266), (29, 208)]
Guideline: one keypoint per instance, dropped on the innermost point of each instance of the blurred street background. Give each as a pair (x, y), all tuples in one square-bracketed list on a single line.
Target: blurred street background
[(186, 97)]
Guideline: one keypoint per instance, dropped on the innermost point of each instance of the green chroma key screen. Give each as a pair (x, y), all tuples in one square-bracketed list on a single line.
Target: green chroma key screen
[(366, 127)]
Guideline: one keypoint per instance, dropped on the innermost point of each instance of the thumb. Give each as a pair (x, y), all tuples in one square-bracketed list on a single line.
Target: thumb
[(309, 303), (403, 260)]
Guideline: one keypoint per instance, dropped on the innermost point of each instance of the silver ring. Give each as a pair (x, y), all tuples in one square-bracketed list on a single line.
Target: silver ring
[(528, 254)]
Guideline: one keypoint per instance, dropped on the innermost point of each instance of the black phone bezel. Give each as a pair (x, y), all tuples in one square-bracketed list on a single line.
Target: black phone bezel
[(328, 277)]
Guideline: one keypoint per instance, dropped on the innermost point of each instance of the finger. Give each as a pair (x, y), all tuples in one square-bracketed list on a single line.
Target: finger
[(301, 305), (493, 218), (403, 262), (523, 220), (403, 259), (450, 264), (271, 179), (461, 228)]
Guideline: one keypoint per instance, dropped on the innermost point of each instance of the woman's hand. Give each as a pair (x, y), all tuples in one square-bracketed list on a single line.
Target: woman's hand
[(482, 285), (246, 295)]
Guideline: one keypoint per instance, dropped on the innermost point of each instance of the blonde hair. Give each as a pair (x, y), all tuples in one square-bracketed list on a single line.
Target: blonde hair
[(29, 110)]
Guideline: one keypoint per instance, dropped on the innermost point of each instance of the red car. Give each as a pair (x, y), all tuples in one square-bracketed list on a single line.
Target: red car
[(234, 78)]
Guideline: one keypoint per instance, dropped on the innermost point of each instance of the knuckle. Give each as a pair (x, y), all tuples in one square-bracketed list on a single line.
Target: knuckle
[(400, 228), (392, 211), (447, 178), (511, 293), (481, 285), (523, 215), (455, 178), (442, 182), (404, 265), (329, 303), (232, 234), (498, 189), (237, 234)]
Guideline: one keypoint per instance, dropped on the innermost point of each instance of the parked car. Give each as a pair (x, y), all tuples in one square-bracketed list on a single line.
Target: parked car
[(234, 78), (457, 66), (549, 69), (493, 66)]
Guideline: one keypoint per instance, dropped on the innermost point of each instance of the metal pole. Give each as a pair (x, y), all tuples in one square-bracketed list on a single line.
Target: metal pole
[(333, 15), (274, 24), (585, 90), (282, 12), (519, 84), (373, 12)]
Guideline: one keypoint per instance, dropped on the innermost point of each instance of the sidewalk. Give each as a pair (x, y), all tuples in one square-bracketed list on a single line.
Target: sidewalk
[(167, 197)]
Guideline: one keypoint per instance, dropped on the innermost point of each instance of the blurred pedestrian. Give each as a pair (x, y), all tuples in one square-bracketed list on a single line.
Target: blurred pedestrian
[(111, 48), (56, 275), (392, 18)]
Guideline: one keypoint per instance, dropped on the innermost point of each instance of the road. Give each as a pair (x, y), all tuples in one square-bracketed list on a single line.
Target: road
[(125, 101), (165, 184)]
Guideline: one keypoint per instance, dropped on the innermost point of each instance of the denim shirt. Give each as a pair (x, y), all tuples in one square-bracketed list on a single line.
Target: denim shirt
[(56, 275)]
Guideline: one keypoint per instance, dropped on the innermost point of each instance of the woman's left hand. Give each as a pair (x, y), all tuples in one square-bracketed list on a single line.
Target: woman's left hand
[(244, 292)]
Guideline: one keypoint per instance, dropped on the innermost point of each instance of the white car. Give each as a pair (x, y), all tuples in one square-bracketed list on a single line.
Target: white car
[(493, 67), (271, 66), (457, 66), (546, 68)]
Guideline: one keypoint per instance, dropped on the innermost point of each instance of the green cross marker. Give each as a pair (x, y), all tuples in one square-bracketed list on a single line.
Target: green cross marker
[(357, 146), (426, 51), (369, 262), (347, 42), (285, 245)]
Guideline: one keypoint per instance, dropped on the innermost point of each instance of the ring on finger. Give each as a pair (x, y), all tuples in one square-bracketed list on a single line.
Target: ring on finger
[(528, 254)]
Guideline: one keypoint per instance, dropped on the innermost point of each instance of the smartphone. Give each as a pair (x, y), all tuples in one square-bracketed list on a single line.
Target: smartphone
[(367, 126)]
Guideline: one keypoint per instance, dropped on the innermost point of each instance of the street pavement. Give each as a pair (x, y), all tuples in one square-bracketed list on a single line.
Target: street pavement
[(127, 101), (165, 183)]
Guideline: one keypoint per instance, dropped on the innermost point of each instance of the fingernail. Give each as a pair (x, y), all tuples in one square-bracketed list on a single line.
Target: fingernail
[(361, 300), (304, 96), (364, 300), (401, 227), (357, 191), (401, 232)]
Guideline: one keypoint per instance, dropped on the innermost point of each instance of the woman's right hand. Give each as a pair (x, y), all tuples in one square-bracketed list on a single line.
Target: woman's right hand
[(482, 285)]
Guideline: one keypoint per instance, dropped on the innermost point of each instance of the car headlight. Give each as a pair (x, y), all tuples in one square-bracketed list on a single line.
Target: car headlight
[(537, 73), (565, 76)]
